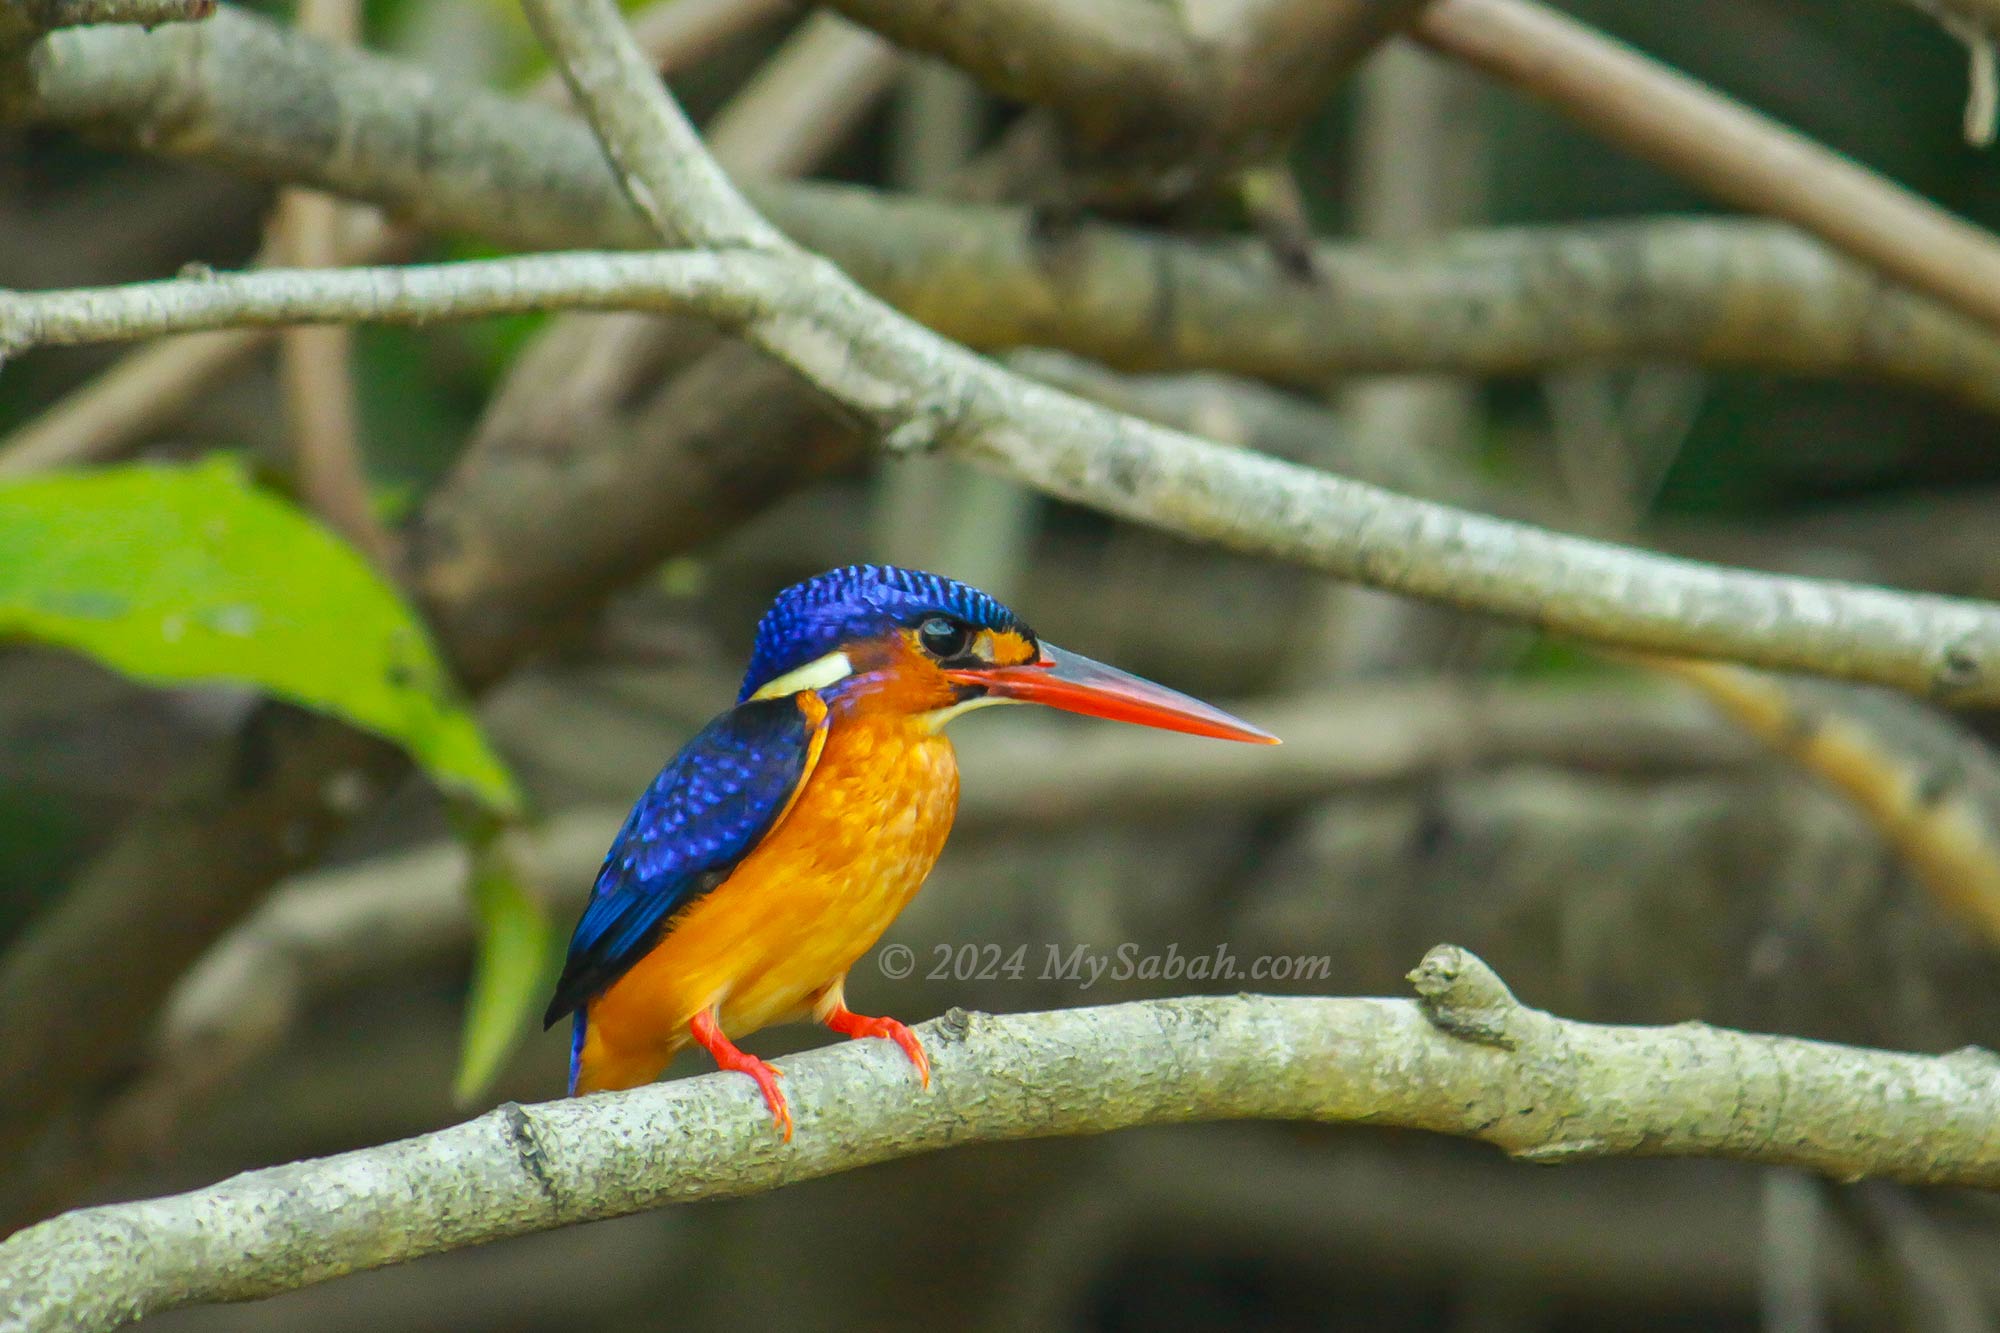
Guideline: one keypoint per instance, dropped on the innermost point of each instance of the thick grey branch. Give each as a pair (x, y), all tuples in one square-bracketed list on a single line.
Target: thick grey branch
[(264, 100), (919, 390), (1466, 1059)]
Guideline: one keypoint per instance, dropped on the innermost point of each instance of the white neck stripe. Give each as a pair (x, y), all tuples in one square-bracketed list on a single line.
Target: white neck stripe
[(814, 675)]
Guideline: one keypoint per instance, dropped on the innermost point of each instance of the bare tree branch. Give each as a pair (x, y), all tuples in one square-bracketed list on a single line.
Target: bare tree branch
[(1465, 1058), (702, 208), (315, 365), (1726, 148), (1741, 156), (118, 408), (1161, 100), (920, 391), (1507, 302), (1693, 130)]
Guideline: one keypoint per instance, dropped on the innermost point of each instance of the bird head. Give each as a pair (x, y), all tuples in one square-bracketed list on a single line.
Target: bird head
[(879, 638)]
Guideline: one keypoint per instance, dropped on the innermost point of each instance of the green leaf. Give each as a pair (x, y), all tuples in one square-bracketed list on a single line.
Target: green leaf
[(513, 963), (193, 574)]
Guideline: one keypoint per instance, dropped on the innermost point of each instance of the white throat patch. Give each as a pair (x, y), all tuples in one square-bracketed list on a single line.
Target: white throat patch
[(937, 717)]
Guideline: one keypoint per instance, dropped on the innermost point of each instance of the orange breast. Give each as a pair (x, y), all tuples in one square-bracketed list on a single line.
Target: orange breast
[(800, 910)]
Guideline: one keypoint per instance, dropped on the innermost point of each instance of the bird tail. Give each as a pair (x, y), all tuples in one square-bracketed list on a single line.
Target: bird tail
[(579, 1021)]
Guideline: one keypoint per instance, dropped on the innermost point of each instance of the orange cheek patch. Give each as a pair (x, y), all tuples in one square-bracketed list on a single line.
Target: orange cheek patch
[(894, 677), (1010, 648)]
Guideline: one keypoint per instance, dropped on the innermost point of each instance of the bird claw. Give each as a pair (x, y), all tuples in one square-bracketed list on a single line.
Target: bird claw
[(767, 1076), (848, 1023), (727, 1056)]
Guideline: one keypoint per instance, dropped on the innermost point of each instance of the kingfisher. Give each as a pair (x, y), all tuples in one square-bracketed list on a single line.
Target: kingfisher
[(771, 853)]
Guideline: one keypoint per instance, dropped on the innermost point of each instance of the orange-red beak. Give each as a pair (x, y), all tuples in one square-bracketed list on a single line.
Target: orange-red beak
[(1076, 684)]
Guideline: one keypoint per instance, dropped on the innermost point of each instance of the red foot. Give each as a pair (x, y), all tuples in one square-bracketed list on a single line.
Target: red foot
[(709, 1034), (850, 1024)]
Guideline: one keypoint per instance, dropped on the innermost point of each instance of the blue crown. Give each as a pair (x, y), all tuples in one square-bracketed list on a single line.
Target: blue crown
[(811, 619)]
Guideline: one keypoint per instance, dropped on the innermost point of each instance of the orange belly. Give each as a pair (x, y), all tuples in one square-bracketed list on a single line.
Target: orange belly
[(764, 945)]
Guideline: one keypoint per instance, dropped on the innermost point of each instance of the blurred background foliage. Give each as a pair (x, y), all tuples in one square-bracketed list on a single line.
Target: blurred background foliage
[(1613, 849)]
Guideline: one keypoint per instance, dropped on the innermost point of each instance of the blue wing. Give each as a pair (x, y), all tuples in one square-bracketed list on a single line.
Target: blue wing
[(711, 804)]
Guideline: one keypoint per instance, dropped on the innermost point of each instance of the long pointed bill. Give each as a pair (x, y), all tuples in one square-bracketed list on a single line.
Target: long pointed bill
[(1076, 684)]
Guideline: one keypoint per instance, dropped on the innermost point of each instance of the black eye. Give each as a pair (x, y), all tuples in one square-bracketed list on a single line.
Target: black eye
[(943, 637)]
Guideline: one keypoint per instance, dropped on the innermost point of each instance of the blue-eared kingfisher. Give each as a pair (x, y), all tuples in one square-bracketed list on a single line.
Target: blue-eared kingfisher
[(772, 852)]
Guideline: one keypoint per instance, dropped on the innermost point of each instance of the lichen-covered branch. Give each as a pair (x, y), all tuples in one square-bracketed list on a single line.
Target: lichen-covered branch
[(1465, 1058), (666, 281), (920, 391), (256, 98)]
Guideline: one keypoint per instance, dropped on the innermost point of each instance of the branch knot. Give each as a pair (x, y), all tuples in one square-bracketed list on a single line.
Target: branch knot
[(1462, 996)]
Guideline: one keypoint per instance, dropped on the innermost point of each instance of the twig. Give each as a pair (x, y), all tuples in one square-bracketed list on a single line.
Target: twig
[(1976, 24), (670, 178), (640, 387), (1982, 88), (582, 375), (1726, 148), (922, 391), (315, 365), (1465, 1058)]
